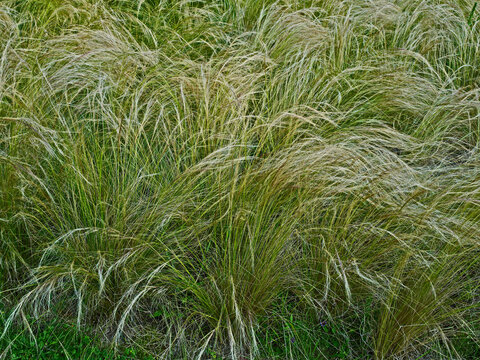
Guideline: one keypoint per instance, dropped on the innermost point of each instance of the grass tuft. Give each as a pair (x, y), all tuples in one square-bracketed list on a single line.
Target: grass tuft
[(241, 179)]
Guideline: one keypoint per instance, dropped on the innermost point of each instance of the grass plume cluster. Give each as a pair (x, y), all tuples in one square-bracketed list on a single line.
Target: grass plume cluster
[(187, 175)]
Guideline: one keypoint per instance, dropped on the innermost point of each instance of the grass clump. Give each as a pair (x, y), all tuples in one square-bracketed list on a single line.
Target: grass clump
[(242, 179)]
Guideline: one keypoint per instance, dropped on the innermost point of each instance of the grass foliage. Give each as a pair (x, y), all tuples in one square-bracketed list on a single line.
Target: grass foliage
[(243, 178)]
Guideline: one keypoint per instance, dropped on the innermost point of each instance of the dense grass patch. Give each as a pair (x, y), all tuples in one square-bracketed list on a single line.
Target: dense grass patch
[(241, 179), (49, 339)]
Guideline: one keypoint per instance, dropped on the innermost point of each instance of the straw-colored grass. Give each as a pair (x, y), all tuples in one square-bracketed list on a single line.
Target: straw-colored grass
[(172, 172)]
